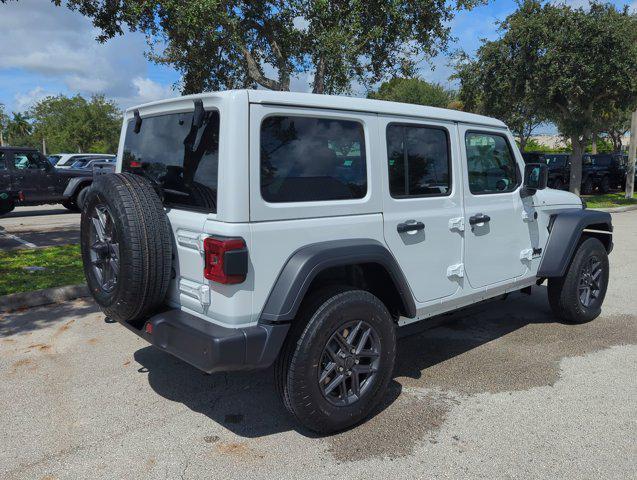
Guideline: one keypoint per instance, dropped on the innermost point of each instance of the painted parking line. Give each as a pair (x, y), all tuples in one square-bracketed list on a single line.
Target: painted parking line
[(15, 238)]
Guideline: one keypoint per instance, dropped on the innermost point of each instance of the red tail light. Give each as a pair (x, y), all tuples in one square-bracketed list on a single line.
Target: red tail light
[(225, 260)]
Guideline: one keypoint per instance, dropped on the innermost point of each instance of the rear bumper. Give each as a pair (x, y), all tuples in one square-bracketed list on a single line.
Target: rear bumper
[(210, 347)]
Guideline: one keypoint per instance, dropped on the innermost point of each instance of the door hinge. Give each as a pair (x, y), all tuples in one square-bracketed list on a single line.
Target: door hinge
[(527, 254), (529, 216), (456, 270), (456, 223)]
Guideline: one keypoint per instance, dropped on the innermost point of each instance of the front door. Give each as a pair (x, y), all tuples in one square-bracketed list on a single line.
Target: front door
[(497, 232), (32, 176), (5, 177), (422, 205)]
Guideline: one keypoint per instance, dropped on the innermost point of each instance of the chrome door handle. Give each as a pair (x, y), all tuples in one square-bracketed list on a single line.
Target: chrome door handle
[(410, 226)]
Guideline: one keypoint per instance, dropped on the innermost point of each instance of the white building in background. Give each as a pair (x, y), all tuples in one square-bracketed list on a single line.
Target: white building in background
[(557, 141)]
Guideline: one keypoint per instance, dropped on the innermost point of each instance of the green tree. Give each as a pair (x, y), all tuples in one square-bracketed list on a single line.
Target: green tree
[(616, 124), (75, 124), (414, 90), (219, 44), (19, 130), (571, 65), (4, 120), (497, 83)]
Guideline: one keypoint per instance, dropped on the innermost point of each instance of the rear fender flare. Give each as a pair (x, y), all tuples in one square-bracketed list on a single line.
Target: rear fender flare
[(307, 262)]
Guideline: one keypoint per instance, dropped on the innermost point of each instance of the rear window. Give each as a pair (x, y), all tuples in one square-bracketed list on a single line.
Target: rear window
[(179, 158), (312, 159)]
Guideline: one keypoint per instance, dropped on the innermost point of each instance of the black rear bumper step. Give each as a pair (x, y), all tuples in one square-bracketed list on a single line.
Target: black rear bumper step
[(210, 347)]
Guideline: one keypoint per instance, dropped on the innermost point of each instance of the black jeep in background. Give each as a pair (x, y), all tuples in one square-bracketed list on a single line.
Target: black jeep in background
[(559, 167), (28, 178), (602, 171), (559, 170), (605, 171)]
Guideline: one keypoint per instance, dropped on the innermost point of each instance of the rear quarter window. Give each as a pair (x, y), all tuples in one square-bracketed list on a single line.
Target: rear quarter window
[(312, 159)]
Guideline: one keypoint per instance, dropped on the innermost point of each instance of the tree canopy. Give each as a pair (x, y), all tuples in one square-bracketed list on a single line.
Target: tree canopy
[(568, 65), (222, 44), (75, 124), (68, 124), (414, 90)]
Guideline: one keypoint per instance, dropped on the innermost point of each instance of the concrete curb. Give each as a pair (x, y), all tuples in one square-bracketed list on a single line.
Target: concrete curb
[(36, 298), (627, 208)]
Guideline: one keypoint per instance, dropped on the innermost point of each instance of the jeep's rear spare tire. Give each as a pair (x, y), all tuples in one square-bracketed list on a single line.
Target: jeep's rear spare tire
[(126, 246)]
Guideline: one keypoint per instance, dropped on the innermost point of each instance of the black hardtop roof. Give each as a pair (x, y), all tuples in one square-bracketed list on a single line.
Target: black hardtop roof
[(31, 149)]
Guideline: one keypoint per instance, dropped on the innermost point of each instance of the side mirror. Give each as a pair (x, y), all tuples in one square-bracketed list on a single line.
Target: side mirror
[(536, 177)]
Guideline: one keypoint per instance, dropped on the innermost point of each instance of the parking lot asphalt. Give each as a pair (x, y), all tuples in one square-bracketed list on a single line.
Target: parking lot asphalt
[(500, 390), (41, 226)]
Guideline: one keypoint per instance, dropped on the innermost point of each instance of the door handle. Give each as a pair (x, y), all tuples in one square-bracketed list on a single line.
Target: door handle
[(479, 218), (410, 226)]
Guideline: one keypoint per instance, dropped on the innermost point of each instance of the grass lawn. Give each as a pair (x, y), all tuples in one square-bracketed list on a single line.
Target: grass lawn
[(609, 200), (62, 266)]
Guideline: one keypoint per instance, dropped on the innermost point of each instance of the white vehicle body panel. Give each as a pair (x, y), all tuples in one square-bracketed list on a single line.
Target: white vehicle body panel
[(273, 232)]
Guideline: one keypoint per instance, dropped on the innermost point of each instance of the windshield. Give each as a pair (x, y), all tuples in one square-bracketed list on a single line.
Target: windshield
[(179, 158)]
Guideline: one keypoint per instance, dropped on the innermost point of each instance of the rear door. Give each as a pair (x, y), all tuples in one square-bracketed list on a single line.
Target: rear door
[(498, 232), (422, 211)]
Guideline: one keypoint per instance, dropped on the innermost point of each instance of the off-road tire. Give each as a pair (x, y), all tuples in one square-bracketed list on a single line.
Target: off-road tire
[(604, 187), (145, 246), (203, 196), (563, 292), (80, 198), (557, 184), (71, 205), (296, 369)]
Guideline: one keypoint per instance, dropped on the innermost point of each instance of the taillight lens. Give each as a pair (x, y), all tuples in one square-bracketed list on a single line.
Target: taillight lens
[(226, 260)]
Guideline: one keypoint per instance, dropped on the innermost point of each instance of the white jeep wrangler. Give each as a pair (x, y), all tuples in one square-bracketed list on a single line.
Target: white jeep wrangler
[(247, 228)]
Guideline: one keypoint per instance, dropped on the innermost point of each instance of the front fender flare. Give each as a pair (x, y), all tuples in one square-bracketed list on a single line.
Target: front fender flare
[(307, 262), (74, 185), (566, 231)]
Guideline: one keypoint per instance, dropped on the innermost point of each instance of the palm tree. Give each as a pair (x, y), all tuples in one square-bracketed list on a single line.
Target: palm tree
[(18, 127), (4, 119)]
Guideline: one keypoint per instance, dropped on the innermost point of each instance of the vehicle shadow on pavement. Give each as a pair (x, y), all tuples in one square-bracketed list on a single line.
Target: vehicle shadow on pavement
[(17, 323), (246, 403), (37, 213)]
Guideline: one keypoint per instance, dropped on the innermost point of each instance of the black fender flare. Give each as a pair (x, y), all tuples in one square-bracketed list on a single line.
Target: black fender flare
[(566, 229), (307, 262), (74, 185)]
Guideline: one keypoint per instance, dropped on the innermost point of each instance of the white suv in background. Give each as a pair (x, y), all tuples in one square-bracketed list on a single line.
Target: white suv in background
[(66, 160), (247, 228)]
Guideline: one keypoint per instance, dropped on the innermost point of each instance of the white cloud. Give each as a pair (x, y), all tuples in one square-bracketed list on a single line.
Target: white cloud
[(148, 90), (57, 46), (25, 100)]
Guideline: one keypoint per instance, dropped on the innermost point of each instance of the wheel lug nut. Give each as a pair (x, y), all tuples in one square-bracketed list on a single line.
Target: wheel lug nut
[(356, 361), (352, 351)]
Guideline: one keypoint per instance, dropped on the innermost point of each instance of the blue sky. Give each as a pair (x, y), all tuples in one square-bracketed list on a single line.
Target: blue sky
[(46, 50)]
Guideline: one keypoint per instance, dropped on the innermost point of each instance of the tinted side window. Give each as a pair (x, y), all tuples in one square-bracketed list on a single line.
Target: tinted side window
[(178, 157), (312, 159), (28, 161), (418, 161), (490, 162)]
